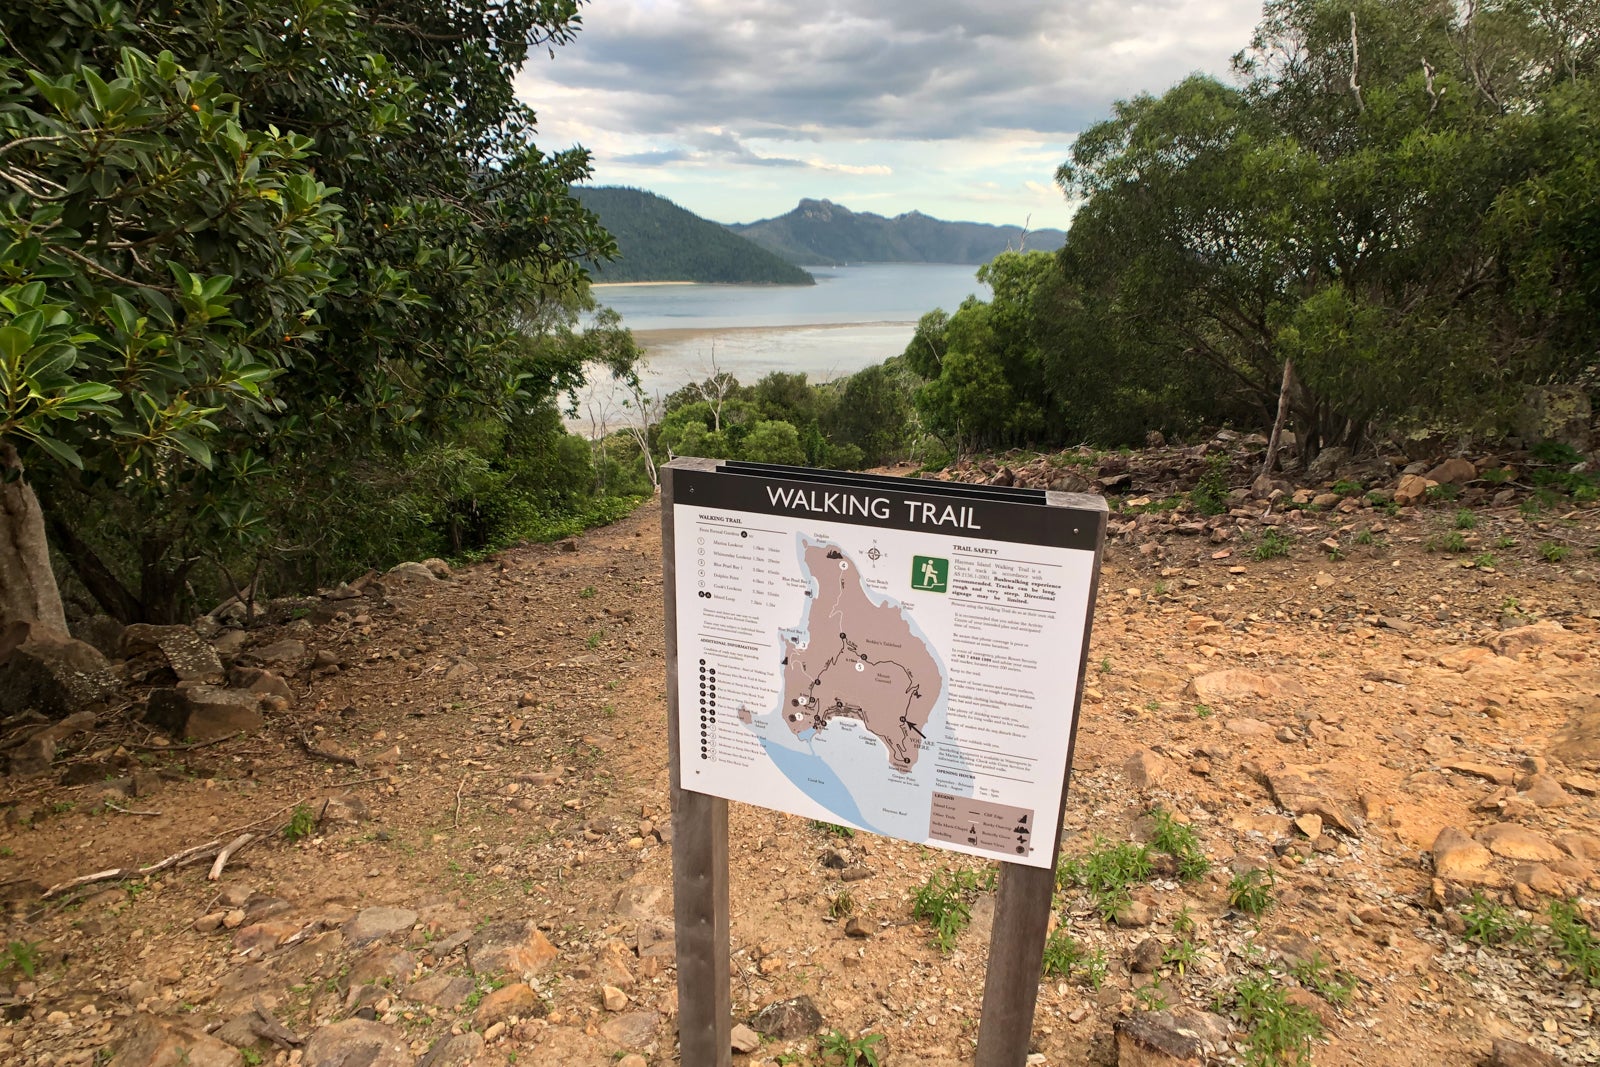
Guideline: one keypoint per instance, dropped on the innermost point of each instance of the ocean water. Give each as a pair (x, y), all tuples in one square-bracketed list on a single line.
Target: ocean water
[(853, 317)]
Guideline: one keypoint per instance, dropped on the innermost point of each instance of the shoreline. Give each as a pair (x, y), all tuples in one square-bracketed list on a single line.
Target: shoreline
[(670, 334)]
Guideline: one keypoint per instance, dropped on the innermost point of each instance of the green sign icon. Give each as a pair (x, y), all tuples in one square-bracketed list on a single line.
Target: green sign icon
[(930, 574)]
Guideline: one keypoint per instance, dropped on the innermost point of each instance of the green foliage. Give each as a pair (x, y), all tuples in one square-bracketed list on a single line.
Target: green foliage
[(833, 829), (1150, 997), (1210, 494), (659, 241), (1346, 487), (1319, 975), (1180, 841), (1273, 544), (1553, 551), (943, 902), (302, 823), (849, 1051), (823, 233), (1450, 542), (1061, 954), (1250, 891), (22, 957), (1108, 872), (257, 289), (1574, 942), (1279, 1032), (1466, 520)]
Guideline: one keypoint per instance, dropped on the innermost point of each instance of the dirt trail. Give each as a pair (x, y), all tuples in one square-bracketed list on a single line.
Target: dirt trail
[(493, 880)]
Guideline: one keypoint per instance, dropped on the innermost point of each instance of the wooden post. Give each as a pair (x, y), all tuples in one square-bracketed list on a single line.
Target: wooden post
[(699, 860), (1022, 905)]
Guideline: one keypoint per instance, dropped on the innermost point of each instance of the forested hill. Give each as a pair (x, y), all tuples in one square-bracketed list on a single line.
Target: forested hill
[(662, 242), (822, 232)]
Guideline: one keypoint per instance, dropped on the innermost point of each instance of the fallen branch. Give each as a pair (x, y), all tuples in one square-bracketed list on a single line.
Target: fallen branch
[(266, 1025), (177, 859), (330, 756), (190, 746), (130, 811), (227, 853), (456, 821)]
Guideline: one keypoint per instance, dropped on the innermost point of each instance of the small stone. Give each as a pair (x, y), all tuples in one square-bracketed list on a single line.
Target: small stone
[(745, 1039), (515, 1000), (1310, 825), (1132, 914), (1181, 1037), (1508, 1053), (210, 924), (1146, 769), (1147, 957), (355, 1041), (854, 927), (1545, 792), (786, 1019), (613, 998), (514, 948)]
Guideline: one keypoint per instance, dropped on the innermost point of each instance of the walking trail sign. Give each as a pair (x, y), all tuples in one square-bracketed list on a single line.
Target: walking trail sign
[(904, 657)]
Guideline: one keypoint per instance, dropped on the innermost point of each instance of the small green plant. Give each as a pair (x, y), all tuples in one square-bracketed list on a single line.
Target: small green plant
[(1496, 475), (833, 829), (1105, 664), (587, 592), (594, 639), (1181, 955), (1346, 487), (1150, 997), (1210, 495), (1363, 538), (1443, 491), (1107, 872), (1152, 704), (842, 905), (302, 822), (1505, 542), (1279, 1032), (1574, 942), (1183, 923), (1160, 589), (1061, 954), (1484, 561), (1451, 542), (1203, 710), (251, 1057), (23, 957), (942, 902), (1318, 974), (1273, 544), (6, 852), (1095, 968), (1553, 551), (850, 1052), (1466, 520), (1250, 891), (1179, 841)]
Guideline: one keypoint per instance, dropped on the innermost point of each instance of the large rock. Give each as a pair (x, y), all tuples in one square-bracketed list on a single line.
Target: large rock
[(1453, 471), (1146, 769), (1578, 742), (1458, 857), (513, 948), (1519, 639), (633, 1029), (191, 657), (1516, 842), (1233, 686), (204, 712), (374, 924), (1413, 489), (1508, 1053), (1314, 791), (408, 579), (50, 672), (151, 1042), (517, 1000), (1181, 1037), (356, 1043)]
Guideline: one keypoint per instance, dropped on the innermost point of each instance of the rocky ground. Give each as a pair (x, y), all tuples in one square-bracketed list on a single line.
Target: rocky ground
[(1376, 722)]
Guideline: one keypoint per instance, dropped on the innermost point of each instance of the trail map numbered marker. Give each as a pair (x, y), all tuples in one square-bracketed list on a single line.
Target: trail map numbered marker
[(896, 656)]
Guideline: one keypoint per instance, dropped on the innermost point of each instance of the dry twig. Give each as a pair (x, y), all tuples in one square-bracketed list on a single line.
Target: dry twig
[(227, 853)]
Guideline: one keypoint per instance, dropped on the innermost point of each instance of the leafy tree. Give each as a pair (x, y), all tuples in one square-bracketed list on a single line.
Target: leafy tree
[(249, 249)]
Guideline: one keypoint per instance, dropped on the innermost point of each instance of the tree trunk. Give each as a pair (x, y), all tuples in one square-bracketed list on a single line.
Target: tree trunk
[(28, 590), (1283, 417)]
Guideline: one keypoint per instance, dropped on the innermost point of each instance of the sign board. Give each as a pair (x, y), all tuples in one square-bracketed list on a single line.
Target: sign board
[(896, 655)]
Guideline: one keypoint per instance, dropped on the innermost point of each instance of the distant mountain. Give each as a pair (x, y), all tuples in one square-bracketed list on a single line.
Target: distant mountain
[(662, 242), (820, 233)]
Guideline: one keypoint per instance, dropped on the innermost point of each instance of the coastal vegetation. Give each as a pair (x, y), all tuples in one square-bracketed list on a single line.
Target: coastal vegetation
[(658, 241)]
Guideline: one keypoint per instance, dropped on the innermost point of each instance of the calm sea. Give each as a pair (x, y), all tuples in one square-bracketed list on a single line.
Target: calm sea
[(852, 318)]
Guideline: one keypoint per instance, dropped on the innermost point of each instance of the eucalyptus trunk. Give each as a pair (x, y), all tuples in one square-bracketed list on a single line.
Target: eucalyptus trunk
[(28, 590)]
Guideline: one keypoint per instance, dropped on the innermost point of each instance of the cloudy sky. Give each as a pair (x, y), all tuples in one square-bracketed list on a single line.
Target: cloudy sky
[(961, 109)]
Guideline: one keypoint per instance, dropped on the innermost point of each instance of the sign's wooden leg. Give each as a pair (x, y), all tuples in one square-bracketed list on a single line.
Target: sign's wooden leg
[(1016, 954), (700, 915)]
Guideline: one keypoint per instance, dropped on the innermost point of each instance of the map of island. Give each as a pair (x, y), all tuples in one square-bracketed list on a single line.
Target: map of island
[(859, 659)]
